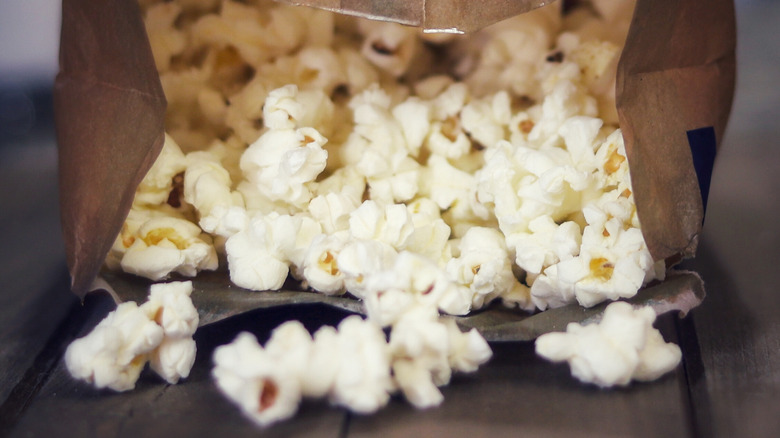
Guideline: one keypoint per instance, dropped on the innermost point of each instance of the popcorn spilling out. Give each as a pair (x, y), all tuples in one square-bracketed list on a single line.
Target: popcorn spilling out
[(159, 331), (354, 366), (624, 346), (422, 175)]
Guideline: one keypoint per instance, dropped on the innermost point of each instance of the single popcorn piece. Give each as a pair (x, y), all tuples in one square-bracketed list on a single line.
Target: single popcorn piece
[(258, 256), (360, 259), (250, 378), (282, 162), (173, 358), (207, 185), (622, 347), (391, 225), (363, 382), (320, 265), (412, 281), (389, 46), (156, 187), (170, 306), (484, 266), (167, 244)]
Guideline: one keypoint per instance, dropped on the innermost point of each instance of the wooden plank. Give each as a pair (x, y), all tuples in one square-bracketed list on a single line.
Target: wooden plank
[(34, 298), (520, 393), (735, 388), (65, 407)]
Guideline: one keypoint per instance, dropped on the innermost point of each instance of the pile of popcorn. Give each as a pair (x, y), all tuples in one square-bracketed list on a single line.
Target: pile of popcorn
[(159, 331), (420, 173)]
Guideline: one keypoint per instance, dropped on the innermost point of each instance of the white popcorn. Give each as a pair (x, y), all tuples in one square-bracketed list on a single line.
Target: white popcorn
[(320, 265), (467, 350), (170, 306), (622, 347), (173, 358), (447, 139), (281, 110), (391, 225), (431, 240), (414, 117), (256, 255), (324, 363), (426, 348), (225, 221), (207, 184), (165, 39), (321, 69), (333, 211), (389, 46), (282, 161), (483, 265), (363, 381), (113, 354), (362, 258), (423, 176), (167, 244), (452, 189), (486, 120), (291, 347), (413, 280), (250, 378), (546, 243), (156, 186)]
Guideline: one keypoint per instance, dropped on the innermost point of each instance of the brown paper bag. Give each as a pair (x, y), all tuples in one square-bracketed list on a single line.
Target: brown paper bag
[(675, 83)]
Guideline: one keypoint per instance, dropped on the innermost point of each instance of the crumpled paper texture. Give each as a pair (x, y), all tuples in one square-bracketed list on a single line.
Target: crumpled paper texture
[(454, 16), (676, 74), (109, 113)]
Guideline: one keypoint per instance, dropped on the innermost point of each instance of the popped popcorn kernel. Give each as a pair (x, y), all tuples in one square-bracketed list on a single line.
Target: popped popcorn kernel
[(622, 347)]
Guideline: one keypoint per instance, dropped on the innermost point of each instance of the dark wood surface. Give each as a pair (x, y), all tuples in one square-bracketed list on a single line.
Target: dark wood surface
[(728, 384)]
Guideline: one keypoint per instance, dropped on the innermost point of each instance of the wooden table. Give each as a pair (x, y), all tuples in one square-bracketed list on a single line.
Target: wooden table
[(728, 384)]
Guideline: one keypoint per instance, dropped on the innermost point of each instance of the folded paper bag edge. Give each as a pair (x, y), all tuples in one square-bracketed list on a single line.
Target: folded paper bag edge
[(109, 117), (676, 74)]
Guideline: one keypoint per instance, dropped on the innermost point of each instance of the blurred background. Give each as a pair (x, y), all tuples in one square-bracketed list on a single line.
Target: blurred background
[(737, 257)]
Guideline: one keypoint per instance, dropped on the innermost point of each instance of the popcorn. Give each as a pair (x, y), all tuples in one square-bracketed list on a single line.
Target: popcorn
[(173, 358), (485, 120), (413, 280), (257, 256), (391, 225), (245, 374), (389, 46), (115, 352), (170, 306), (207, 184), (155, 188), (282, 161), (360, 259), (320, 265), (333, 211), (363, 381), (483, 265), (338, 152), (166, 244), (622, 347), (165, 39)]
